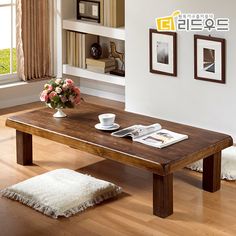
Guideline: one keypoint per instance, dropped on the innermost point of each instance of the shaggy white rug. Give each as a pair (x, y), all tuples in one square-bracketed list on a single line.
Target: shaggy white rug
[(228, 164), (61, 192)]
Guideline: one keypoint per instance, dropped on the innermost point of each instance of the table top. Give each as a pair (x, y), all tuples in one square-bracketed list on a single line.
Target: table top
[(77, 130)]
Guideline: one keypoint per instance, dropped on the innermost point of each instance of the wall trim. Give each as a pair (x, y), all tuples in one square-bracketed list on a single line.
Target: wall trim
[(19, 101), (102, 94), (15, 94)]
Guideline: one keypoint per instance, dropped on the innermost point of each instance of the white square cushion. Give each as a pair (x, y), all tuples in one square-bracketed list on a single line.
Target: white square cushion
[(61, 192)]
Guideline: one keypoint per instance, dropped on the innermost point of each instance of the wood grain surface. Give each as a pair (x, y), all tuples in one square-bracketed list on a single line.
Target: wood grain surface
[(77, 130)]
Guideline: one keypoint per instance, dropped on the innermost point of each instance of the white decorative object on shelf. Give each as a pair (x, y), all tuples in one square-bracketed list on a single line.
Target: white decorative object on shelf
[(94, 28), (107, 78)]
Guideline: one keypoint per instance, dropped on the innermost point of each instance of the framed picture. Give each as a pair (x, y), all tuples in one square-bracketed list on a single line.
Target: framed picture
[(163, 52), (88, 10), (209, 58)]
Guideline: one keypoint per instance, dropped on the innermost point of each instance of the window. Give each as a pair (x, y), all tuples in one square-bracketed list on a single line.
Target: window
[(7, 41)]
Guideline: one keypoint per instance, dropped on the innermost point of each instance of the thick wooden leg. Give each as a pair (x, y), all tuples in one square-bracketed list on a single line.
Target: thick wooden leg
[(24, 148), (162, 195), (212, 172)]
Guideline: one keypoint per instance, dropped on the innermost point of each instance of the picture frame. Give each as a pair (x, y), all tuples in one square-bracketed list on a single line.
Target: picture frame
[(88, 10), (209, 59), (163, 52)]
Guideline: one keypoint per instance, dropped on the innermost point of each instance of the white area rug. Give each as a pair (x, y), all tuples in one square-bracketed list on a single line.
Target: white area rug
[(61, 192), (228, 164)]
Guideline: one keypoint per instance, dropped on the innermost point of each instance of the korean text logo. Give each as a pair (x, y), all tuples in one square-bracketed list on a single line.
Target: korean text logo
[(192, 22)]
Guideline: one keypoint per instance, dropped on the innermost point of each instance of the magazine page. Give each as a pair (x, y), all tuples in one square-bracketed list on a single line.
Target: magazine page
[(161, 138), (137, 131), (125, 132)]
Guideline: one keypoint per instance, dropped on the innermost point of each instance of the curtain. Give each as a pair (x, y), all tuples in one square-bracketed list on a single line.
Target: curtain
[(34, 39)]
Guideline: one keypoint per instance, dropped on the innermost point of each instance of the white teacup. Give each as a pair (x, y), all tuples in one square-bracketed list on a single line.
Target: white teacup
[(107, 119)]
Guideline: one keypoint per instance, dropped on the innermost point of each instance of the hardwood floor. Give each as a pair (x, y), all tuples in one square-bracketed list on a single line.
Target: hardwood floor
[(195, 212)]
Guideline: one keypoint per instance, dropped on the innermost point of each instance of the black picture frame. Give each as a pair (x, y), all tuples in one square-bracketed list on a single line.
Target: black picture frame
[(153, 43), (87, 11), (207, 65)]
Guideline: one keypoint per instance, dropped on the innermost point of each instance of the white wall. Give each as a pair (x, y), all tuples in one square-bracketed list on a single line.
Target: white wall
[(20, 93), (182, 99), (104, 90)]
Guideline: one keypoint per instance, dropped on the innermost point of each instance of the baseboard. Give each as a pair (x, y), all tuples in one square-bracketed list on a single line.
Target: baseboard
[(102, 94), (19, 101), (20, 93)]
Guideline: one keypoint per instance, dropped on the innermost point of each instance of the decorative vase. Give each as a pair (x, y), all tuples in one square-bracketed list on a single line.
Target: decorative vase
[(95, 51), (59, 113)]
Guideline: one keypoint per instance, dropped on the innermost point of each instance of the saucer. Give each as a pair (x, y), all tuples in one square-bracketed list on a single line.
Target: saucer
[(107, 128)]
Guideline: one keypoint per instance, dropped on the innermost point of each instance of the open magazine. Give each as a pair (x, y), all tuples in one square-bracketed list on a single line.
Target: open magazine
[(152, 135)]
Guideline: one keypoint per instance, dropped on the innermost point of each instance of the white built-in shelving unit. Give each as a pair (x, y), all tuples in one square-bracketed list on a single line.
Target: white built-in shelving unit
[(106, 78), (69, 22), (94, 28)]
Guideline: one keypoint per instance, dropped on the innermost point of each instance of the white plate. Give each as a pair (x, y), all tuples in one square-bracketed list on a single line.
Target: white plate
[(109, 128)]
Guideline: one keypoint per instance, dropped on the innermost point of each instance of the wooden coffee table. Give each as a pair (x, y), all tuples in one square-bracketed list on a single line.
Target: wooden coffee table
[(77, 130)]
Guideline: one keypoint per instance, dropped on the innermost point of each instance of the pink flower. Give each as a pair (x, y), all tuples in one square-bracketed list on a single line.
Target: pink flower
[(69, 82), (52, 95), (72, 99), (64, 87), (48, 87), (61, 92), (63, 99), (77, 90), (77, 100), (44, 96)]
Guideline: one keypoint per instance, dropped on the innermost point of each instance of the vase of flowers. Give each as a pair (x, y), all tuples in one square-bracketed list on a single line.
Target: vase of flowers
[(59, 94)]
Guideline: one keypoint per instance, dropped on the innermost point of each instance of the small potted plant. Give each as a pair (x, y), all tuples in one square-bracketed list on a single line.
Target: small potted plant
[(59, 94)]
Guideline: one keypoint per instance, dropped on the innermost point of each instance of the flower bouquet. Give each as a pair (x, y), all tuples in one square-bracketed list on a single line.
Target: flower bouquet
[(60, 93)]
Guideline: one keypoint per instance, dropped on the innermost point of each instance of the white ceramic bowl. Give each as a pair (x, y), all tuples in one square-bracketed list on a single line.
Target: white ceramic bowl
[(107, 119)]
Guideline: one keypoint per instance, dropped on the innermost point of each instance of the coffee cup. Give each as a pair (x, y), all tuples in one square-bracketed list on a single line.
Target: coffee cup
[(107, 119)]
